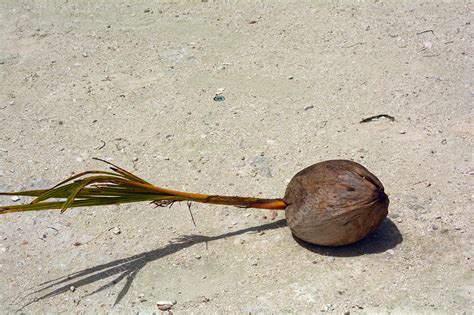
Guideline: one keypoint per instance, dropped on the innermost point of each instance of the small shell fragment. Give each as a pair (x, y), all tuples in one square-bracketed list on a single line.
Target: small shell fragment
[(165, 305)]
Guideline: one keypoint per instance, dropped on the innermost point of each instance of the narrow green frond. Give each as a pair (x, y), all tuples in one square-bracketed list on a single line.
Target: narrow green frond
[(96, 188), (82, 174), (123, 172), (58, 192), (87, 181)]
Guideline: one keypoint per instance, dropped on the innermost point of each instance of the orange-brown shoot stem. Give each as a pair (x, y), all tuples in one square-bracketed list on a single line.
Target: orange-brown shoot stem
[(244, 202)]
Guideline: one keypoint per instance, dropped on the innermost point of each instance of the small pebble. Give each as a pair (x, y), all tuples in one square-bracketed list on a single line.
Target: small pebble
[(402, 132), (220, 91), (116, 230), (72, 288), (15, 198), (399, 220), (391, 252), (197, 256), (84, 54), (135, 158), (309, 107), (434, 227), (165, 305)]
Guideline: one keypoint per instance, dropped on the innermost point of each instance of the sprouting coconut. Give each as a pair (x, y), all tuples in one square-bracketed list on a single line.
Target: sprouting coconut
[(331, 203)]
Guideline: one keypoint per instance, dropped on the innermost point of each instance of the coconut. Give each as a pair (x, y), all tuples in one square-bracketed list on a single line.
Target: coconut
[(335, 202)]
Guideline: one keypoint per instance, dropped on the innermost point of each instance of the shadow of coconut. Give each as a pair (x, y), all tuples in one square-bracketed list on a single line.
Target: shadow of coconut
[(385, 237), (125, 270)]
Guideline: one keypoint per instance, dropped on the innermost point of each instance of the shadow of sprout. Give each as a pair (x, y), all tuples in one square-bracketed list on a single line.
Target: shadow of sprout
[(385, 237), (128, 268)]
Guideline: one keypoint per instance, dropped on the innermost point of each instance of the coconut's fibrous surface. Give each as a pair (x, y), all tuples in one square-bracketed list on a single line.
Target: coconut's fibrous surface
[(334, 203)]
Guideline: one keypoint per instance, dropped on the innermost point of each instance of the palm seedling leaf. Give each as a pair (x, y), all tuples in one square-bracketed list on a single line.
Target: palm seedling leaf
[(92, 188)]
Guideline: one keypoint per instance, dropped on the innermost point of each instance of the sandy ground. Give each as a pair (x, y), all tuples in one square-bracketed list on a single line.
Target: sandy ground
[(135, 84)]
